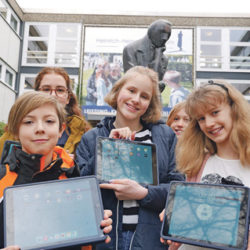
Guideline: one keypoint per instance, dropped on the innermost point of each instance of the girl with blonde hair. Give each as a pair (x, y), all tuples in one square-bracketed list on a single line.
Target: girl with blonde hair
[(219, 136), (135, 97)]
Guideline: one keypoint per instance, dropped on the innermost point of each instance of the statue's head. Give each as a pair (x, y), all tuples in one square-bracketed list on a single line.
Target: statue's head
[(159, 32)]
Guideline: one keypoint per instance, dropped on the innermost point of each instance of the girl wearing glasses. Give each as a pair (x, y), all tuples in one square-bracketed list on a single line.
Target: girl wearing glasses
[(56, 81), (219, 136)]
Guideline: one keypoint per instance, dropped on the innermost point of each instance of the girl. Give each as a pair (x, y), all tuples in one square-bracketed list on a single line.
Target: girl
[(135, 208), (178, 118), (103, 84), (37, 120), (56, 81), (219, 135)]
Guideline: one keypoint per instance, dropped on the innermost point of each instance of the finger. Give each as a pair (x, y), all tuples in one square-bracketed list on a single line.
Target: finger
[(108, 239), (119, 181), (108, 186), (107, 229), (107, 213), (133, 136)]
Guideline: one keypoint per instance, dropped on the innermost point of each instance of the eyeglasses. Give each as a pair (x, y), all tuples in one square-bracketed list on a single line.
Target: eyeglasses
[(59, 91)]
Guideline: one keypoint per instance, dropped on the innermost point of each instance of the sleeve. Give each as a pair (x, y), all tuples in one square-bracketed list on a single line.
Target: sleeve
[(85, 153)]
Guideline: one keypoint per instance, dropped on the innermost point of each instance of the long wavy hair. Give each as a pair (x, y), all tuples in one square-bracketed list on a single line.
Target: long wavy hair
[(153, 113), (194, 144), (72, 108)]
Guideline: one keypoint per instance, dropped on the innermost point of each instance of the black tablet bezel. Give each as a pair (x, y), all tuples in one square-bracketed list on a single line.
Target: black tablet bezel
[(97, 204), (98, 159), (168, 213)]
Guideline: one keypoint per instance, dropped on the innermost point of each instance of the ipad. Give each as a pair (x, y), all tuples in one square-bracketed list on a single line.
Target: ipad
[(213, 216), (7, 148), (53, 214), (119, 159)]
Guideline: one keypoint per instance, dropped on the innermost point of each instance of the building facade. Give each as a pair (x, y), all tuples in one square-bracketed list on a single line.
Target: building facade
[(201, 48)]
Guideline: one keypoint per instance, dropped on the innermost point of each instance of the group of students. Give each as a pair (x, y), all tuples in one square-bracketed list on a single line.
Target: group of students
[(213, 133)]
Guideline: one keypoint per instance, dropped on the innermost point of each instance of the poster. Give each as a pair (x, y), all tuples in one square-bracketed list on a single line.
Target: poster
[(102, 64)]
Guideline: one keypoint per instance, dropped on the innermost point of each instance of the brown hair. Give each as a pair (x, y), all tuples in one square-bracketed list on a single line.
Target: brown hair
[(72, 107), (177, 108), (202, 99), (153, 113), (27, 103)]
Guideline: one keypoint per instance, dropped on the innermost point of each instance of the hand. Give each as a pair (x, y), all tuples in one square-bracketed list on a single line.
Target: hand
[(72, 156), (11, 248), (106, 224), (126, 189), (122, 133), (172, 245)]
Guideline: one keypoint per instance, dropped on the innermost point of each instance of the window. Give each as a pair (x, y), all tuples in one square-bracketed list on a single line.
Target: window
[(223, 49), (9, 15), (52, 44), (7, 75), (240, 49), (9, 78), (27, 82)]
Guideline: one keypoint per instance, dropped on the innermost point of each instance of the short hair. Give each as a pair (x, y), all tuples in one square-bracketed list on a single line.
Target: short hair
[(172, 76), (29, 102), (72, 107), (176, 109), (153, 113)]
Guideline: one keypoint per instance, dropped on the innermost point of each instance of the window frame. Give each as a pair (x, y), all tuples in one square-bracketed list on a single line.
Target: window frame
[(51, 40)]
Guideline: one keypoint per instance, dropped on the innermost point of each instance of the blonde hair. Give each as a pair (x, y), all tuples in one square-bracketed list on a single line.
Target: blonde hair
[(153, 113), (27, 103), (174, 111), (202, 99)]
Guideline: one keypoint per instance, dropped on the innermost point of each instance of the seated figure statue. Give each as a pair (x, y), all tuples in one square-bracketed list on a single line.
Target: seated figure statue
[(148, 51)]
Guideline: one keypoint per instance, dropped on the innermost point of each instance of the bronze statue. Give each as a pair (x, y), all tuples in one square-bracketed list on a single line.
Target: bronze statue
[(148, 51)]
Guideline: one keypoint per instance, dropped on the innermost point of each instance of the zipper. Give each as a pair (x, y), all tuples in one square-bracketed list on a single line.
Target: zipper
[(130, 247), (117, 222)]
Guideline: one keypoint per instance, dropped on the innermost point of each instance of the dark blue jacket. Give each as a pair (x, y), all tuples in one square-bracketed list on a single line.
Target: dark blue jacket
[(147, 234)]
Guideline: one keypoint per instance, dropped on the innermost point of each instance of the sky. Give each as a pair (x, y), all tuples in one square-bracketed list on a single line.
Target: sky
[(141, 7)]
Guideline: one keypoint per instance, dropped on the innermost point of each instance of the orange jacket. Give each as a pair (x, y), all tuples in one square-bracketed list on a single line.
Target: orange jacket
[(23, 168)]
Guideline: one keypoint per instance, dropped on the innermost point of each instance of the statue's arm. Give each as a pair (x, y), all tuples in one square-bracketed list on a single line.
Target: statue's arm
[(129, 59)]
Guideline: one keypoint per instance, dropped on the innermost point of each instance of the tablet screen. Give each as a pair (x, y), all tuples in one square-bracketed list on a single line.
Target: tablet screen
[(52, 214), (119, 159), (207, 215)]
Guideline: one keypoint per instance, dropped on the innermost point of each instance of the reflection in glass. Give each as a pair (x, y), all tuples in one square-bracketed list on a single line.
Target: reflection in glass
[(210, 56), (66, 52), (239, 35), (39, 30), (211, 35), (3, 9), (37, 52), (29, 83), (67, 30), (13, 22), (9, 78), (239, 57)]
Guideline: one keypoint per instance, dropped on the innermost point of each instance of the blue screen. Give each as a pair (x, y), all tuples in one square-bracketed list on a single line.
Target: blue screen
[(121, 159), (208, 214), (54, 214)]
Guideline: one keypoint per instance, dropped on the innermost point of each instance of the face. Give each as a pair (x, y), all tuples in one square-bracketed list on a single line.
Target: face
[(134, 97), (217, 123), (180, 122), (39, 131), (161, 35), (54, 81)]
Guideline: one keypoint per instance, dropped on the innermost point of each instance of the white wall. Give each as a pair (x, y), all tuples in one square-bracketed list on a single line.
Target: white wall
[(9, 45), (7, 99)]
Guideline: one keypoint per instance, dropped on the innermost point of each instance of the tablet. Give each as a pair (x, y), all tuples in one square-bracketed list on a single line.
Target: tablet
[(7, 148), (53, 214), (119, 159), (214, 216)]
